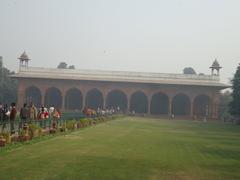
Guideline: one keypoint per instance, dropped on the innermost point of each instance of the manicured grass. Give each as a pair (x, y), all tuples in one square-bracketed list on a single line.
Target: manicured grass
[(131, 148)]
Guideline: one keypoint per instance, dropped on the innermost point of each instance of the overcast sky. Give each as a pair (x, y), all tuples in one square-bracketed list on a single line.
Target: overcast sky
[(133, 35)]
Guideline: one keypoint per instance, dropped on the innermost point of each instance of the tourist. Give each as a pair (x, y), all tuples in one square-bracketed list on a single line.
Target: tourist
[(5, 115), (133, 112), (56, 118), (23, 115), (98, 111), (46, 113), (32, 112), (13, 114), (43, 114), (1, 114), (51, 110)]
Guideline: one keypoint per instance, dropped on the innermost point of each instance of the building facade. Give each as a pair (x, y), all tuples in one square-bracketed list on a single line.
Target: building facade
[(179, 95)]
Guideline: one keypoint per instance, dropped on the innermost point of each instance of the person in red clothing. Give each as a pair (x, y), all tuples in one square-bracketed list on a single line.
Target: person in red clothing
[(43, 115)]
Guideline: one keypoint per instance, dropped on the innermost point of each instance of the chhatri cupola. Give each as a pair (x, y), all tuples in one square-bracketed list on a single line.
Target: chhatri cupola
[(24, 59), (215, 66)]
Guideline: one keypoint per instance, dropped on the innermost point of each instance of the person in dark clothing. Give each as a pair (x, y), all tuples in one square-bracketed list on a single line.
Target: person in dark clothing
[(1, 114), (5, 116), (23, 115), (13, 114)]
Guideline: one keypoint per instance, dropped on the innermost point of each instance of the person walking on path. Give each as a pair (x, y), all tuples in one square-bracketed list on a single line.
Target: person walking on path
[(13, 114), (5, 116), (1, 114), (23, 115), (32, 112)]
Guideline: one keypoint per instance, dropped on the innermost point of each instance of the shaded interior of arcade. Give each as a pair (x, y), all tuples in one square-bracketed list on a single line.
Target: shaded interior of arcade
[(138, 102)]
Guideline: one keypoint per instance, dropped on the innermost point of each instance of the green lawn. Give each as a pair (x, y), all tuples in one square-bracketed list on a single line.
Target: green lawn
[(131, 148)]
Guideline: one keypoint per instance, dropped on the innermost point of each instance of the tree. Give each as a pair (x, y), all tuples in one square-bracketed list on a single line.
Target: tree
[(189, 70), (8, 86), (225, 98), (71, 67), (235, 103), (62, 65)]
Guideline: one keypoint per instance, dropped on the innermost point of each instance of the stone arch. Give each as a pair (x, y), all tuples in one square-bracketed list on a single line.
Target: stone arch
[(201, 105), (73, 99), (94, 99), (159, 104), (139, 102), (33, 95), (53, 97), (181, 105), (117, 98)]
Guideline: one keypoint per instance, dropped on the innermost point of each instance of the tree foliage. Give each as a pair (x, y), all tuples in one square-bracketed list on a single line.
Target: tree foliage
[(225, 99), (71, 67), (62, 65), (8, 86), (189, 70), (235, 103)]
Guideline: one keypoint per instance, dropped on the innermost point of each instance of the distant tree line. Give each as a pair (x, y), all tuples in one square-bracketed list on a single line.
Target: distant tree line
[(8, 86), (63, 65), (189, 70), (225, 100), (234, 107)]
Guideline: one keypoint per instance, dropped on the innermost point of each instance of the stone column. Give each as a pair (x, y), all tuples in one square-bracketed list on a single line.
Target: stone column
[(104, 100), (191, 107), (83, 99), (128, 104), (149, 104), (21, 94), (43, 93), (213, 111), (63, 102), (170, 106), (215, 106)]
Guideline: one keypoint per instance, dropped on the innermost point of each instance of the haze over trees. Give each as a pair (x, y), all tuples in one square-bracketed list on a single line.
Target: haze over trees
[(235, 103), (8, 86), (189, 70), (224, 99), (64, 65)]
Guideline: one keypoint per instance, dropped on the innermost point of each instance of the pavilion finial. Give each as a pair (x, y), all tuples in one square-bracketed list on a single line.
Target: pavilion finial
[(215, 66), (24, 59)]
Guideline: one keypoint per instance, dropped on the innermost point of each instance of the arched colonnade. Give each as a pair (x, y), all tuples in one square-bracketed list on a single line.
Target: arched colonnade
[(158, 103)]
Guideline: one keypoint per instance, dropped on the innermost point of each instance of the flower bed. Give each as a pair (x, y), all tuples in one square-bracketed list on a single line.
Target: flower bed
[(31, 131)]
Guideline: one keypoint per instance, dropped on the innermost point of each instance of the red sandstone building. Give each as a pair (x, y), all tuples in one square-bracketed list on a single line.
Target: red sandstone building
[(181, 95)]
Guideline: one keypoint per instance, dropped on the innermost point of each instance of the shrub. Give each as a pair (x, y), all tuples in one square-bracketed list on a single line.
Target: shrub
[(63, 127), (33, 131), (71, 125), (23, 135), (6, 136), (84, 122)]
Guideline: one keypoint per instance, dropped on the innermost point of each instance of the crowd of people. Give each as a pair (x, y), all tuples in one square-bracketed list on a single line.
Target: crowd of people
[(7, 114), (107, 111), (28, 113)]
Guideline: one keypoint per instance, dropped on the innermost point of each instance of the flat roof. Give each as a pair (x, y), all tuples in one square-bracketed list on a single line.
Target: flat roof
[(120, 76)]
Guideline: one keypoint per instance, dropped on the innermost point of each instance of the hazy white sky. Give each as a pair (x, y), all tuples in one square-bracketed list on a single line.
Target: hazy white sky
[(133, 35)]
